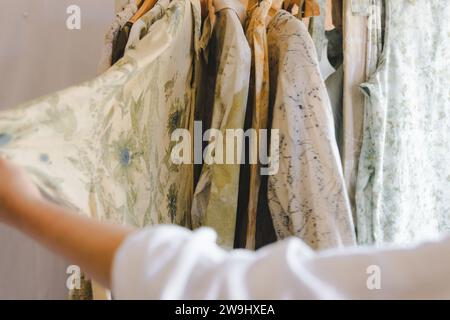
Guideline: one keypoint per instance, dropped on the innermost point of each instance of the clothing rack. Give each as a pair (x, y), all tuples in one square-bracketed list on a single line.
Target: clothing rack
[(119, 4)]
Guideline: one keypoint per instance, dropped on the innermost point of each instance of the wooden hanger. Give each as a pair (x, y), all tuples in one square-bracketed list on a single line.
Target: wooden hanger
[(145, 7), (211, 11), (306, 8), (288, 5), (312, 9), (250, 5), (276, 6)]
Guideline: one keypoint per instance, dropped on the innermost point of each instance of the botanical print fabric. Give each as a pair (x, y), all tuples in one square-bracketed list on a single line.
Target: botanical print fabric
[(374, 36), (258, 103), (361, 7), (222, 101), (317, 28), (374, 47), (103, 147), (403, 191), (121, 18), (71, 131), (141, 26), (355, 30), (307, 197)]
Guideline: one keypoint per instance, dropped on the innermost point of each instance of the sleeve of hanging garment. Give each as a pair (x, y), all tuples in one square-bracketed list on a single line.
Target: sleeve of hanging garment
[(168, 262)]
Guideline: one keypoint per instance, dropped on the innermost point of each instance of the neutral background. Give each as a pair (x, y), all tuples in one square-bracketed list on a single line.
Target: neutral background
[(39, 55)]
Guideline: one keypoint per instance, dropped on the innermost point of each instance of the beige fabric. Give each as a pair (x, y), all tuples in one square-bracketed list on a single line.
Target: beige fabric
[(124, 12), (99, 292), (361, 7), (374, 37), (122, 17), (140, 27), (104, 147), (307, 196), (222, 101), (258, 102)]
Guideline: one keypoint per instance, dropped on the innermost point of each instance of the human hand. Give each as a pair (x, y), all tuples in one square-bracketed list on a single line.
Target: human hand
[(15, 187)]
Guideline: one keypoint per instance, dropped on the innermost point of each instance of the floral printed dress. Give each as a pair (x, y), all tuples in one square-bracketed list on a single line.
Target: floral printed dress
[(103, 147), (403, 189), (140, 27)]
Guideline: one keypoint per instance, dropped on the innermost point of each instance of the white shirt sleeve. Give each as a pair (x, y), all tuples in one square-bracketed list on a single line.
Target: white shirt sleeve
[(169, 262)]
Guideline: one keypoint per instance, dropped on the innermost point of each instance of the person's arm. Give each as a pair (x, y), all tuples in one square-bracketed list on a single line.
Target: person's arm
[(85, 242), (169, 262)]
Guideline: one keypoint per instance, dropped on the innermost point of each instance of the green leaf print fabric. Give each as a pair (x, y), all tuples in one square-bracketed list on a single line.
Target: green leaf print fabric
[(403, 187), (103, 147), (140, 27)]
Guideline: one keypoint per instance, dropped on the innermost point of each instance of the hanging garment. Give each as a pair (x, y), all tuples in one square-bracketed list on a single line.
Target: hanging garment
[(307, 197), (335, 47), (221, 104), (304, 8), (104, 146), (140, 27), (335, 82), (403, 191), (329, 43), (334, 85), (317, 27), (121, 18), (257, 119), (361, 7), (120, 43), (374, 47), (355, 44), (317, 32), (374, 36)]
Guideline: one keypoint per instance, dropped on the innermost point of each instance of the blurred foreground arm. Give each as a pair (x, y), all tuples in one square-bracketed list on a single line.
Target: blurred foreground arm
[(88, 243), (169, 262)]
